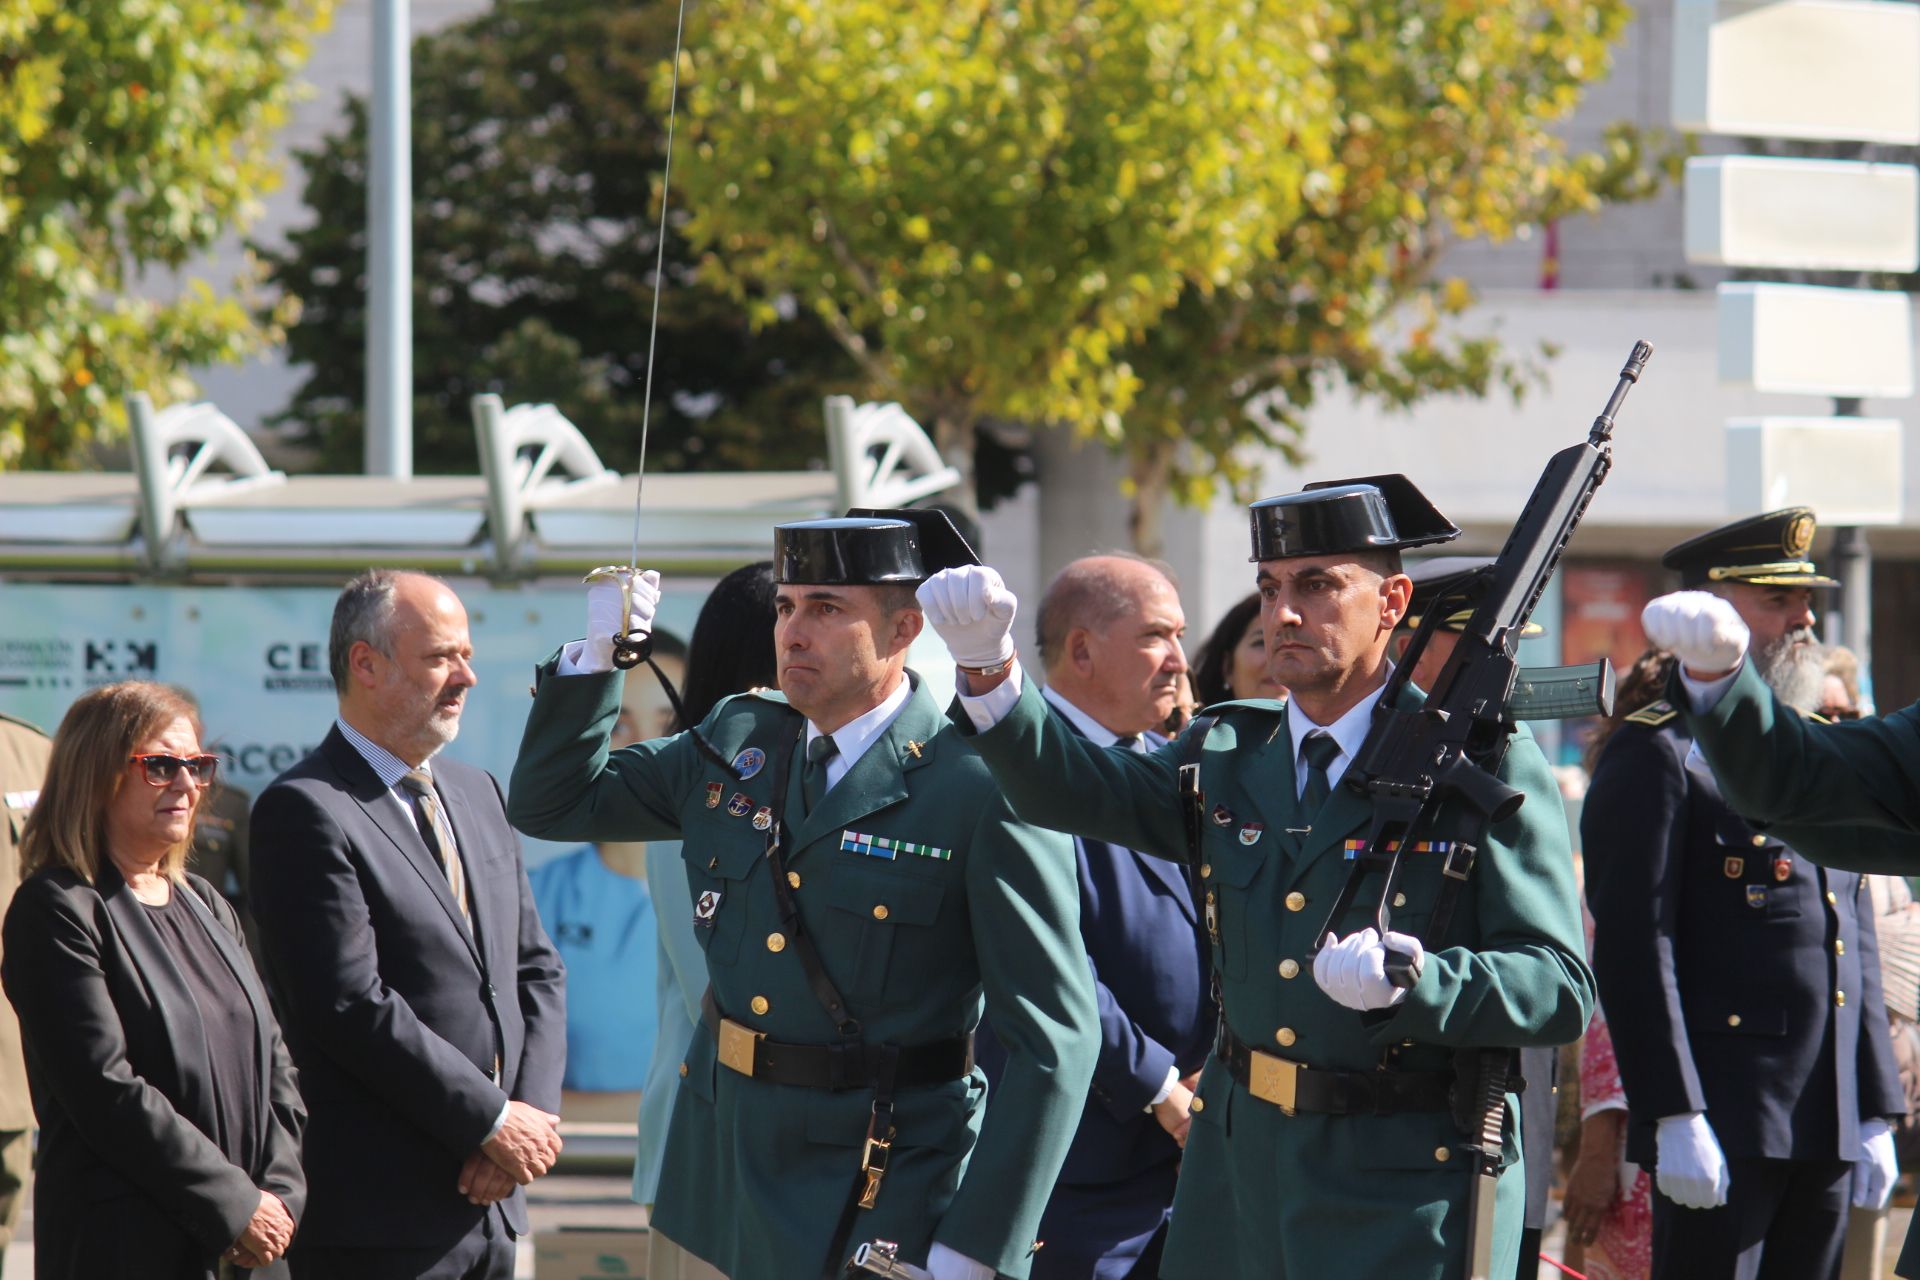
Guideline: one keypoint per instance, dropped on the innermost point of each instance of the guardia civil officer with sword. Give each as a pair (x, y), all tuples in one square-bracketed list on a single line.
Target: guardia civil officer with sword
[(1372, 994), (857, 884)]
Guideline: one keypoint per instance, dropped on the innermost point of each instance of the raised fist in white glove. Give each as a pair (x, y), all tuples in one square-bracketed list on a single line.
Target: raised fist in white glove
[(973, 611), (1692, 1172), (1876, 1169), (1700, 629), (1353, 971), (607, 591)]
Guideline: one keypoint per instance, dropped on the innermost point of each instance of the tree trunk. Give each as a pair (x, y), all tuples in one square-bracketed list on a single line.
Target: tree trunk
[(1149, 469), (953, 436)]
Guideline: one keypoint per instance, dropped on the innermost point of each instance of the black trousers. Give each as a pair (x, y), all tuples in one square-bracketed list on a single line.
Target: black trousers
[(1529, 1265), (485, 1253), (1783, 1220)]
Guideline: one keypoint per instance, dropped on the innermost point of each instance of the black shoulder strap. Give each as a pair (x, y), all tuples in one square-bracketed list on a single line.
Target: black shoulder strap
[(823, 989), (1193, 807)]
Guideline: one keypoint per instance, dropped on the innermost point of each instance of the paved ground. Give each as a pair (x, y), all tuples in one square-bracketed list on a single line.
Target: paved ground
[(600, 1200)]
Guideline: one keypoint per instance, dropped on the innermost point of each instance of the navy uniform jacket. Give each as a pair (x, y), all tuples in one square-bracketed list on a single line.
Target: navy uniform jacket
[(1739, 978)]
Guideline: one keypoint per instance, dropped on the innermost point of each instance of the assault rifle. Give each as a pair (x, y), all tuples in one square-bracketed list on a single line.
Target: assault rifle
[(1450, 750)]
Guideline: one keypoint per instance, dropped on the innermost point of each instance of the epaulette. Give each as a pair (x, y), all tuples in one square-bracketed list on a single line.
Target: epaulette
[(1270, 706), (1654, 714), (24, 724)]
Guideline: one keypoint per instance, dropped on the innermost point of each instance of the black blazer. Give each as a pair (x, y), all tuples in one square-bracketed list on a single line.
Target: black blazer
[(395, 1012), (127, 1183), (1719, 951)]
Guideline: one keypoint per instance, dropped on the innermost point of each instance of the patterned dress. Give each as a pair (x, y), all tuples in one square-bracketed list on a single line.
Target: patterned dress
[(1623, 1249)]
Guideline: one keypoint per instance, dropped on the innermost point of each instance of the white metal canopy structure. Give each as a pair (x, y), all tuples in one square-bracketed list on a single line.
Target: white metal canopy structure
[(542, 504)]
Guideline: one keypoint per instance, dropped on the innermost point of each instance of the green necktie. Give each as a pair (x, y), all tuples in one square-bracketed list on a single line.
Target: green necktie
[(813, 784), (1318, 750)]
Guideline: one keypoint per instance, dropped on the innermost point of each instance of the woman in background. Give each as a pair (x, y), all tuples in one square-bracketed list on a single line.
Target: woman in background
[(169, 1117), (731, 652), (1233, 662)]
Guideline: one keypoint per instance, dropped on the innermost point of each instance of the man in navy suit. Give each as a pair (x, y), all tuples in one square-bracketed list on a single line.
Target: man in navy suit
[(1110, 629), (422, 1001)]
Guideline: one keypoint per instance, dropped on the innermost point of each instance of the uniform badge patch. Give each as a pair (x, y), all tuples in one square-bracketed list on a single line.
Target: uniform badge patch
[(749, 762), (1222, 816), (1733, 867), (739, 806), (715, 791), (887, 847), (1782, 869), (762, 818), (1251, 833), (704, 908), (1756, 896)]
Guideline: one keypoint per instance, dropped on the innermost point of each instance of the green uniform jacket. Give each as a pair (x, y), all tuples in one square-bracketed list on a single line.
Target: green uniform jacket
[(1845, 795), (1261, 1193), (755, 1174)]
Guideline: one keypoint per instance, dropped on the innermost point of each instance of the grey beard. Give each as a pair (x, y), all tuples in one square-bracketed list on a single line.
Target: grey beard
[(1795, 672)]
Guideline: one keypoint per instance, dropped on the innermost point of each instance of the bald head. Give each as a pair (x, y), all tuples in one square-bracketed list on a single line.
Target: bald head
[(1110, 628), (402, 661)]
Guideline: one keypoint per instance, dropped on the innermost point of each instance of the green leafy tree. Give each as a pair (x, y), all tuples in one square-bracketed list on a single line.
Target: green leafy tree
[(132, 136), (536, 168), (985, 203), (1158, 224)]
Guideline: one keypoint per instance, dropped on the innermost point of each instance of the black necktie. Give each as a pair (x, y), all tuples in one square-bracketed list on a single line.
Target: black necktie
[(1130, 741), (813, 784), (1318, 751)]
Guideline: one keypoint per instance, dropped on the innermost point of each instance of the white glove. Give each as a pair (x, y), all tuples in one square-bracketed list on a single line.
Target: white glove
[(1353, 971), (946, 1264), (605, 591), (1876, 1169), (973, 611), (1702, 630), (1692, 1173)]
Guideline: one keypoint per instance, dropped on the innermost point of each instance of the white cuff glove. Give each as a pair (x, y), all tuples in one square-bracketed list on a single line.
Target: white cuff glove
[(1692, 1173), (1702, 630), (946, 1264), (1876, 1169), (606, 590), (973, 611), (1353, 971)]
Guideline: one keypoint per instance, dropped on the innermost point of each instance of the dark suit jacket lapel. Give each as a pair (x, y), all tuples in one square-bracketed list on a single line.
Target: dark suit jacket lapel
[(243, 974), (878, 778), (185, 1034), (364, 785), (470, 833)]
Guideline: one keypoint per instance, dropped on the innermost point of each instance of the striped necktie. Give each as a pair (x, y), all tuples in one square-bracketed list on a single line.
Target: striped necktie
[(438, 833)]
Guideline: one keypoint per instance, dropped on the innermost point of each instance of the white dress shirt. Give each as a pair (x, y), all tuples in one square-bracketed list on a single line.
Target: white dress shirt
[(1348, 732)]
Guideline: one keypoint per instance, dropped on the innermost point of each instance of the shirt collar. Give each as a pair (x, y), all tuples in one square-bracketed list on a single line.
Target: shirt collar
[(1092, 730), (854, 737), (1348, 732), (388, 767)]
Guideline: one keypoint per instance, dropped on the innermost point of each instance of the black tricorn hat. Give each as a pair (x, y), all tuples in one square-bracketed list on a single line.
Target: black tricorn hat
[(1768, 550), (1437, 575), (1369, 513), (868, 547)]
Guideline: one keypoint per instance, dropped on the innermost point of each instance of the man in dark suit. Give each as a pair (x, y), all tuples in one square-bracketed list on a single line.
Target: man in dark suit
[(1109, 632), (422, 1000), (1741, 981)]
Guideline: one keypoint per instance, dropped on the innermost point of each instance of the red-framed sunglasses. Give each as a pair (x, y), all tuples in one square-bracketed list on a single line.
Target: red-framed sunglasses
[(161, 770)]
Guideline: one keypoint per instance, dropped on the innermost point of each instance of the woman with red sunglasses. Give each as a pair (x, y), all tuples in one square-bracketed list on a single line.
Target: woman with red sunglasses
[(169, 1117)]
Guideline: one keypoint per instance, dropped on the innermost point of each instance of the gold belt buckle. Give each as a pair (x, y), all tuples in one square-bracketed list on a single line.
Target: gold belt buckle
[(1274, 1080), (737, 1044)]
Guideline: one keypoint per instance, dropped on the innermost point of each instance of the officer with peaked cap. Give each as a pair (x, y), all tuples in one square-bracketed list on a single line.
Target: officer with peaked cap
[(1741, 981), (1442, 581), (1323, 1140), (857, 883)]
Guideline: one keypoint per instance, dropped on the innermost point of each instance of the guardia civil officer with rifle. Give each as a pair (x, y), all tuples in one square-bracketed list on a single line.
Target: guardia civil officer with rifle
[(1325, 1139)]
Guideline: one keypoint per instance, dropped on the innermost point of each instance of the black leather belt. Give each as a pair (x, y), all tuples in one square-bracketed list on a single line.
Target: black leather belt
[(1294, 1087), (833, 1066)]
